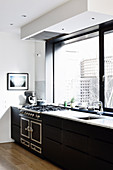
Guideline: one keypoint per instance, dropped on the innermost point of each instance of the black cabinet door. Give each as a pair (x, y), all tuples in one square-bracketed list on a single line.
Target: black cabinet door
[(75, 141), (25, 127), (73, 159), (53, 151), (94, 163), (15, 133), (52, 120), (36, 131), (52, 133), (15, 124), (15, 119)]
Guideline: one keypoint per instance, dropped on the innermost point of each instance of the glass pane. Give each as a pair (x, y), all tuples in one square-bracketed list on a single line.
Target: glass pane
[(108, 65), (77, 72)]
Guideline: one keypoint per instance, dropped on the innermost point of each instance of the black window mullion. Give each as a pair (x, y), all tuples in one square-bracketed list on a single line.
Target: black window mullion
[(101, 66)]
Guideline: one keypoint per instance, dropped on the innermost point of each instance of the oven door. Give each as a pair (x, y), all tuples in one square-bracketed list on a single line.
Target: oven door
[(36, 132), (25, 127)]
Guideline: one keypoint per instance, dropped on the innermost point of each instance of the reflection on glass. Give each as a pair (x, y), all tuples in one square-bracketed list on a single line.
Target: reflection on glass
[(77, 72), (108, 65)]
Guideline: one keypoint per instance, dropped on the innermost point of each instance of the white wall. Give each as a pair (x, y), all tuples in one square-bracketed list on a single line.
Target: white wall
[(40, 61), (40, 83), (15, 56)]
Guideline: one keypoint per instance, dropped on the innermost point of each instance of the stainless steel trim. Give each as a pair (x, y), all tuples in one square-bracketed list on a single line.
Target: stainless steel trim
[(25, 129), (34, 147), (36, 119), (40, 124), (24, 142)]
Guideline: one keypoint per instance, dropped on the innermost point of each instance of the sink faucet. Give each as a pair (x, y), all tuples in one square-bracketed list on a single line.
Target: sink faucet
[(100, 104)]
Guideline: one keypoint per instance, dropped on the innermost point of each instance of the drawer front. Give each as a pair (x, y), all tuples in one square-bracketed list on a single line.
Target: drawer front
[(75, 141), (101, 149), (73, 159), (76, 127), (101, 133), (52, 133), (36, 148), (52, 120), (95, 164), (25, 142), (52, 151)]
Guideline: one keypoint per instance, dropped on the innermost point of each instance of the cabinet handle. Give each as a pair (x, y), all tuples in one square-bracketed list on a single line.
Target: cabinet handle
[(28, 128), (31, 130)]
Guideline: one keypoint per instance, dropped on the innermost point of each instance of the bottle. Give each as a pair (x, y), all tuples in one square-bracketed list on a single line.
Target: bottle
[(65, 103)]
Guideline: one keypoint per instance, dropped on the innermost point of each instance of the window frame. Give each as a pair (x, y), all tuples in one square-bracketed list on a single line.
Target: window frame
[(79, 37), (102, 28), (107, 27)]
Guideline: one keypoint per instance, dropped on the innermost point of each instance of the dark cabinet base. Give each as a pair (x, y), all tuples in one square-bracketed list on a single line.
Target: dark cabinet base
[(76, 145), (74, 159), (95, 164), (15, 133), (53, 151)]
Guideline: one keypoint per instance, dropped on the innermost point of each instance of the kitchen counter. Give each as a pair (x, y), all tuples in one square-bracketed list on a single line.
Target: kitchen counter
[(103, 121), (77, 115)]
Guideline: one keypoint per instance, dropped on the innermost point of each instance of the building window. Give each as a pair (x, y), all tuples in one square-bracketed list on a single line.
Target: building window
[(76, 71), (108, 69)]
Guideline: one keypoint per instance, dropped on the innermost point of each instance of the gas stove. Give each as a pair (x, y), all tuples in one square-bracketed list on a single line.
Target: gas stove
[(44, 108), (35, 111)]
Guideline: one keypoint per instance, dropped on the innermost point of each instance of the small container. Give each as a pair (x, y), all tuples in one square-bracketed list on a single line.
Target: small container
[(65, 103)]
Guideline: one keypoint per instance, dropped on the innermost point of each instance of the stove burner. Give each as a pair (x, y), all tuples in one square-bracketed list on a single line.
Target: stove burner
[(44, 108)]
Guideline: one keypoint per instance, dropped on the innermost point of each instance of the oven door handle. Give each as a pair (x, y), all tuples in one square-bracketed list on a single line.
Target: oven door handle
[(28, 129), (31, 130)]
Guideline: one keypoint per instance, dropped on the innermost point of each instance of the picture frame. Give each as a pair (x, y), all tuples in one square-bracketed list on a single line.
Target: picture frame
[(17, 81)]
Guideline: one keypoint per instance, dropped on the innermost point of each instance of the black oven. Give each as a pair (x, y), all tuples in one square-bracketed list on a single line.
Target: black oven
[(31, 130), (31, 125)]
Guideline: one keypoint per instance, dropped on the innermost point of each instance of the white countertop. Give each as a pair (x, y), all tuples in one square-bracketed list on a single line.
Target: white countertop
[(103, 121)]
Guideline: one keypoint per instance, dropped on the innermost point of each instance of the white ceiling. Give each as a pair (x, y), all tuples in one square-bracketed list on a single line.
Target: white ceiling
[(81, 21), (11, 12)]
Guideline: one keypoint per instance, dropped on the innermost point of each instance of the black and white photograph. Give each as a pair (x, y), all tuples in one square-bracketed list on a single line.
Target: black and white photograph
[(17, 81)]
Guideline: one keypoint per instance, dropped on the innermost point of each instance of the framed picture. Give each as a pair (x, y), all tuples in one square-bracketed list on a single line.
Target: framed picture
[(17, 81)]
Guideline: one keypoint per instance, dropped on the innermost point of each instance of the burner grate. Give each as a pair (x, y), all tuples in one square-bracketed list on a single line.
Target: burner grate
[(44, 108)]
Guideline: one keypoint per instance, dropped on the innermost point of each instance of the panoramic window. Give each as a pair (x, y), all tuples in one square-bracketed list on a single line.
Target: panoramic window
[(108, 69), (76, 71)]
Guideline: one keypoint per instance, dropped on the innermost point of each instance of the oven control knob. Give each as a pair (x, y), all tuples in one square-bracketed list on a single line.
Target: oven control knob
[(38, 116)]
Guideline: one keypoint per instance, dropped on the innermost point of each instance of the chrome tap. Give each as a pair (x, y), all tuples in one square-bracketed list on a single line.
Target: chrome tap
[(100, 105)]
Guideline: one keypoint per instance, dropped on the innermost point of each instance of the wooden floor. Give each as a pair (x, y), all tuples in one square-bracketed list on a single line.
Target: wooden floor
[(14, 157)]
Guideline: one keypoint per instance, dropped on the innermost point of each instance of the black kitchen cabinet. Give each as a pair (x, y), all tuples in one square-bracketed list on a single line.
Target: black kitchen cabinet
[(100, 147), (62, 144), (52, 139), (77, 145), (15, 124), (75, 142), (74, 159)]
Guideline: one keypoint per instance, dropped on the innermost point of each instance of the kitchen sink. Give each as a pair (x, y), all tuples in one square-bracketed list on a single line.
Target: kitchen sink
[(90, 117)]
